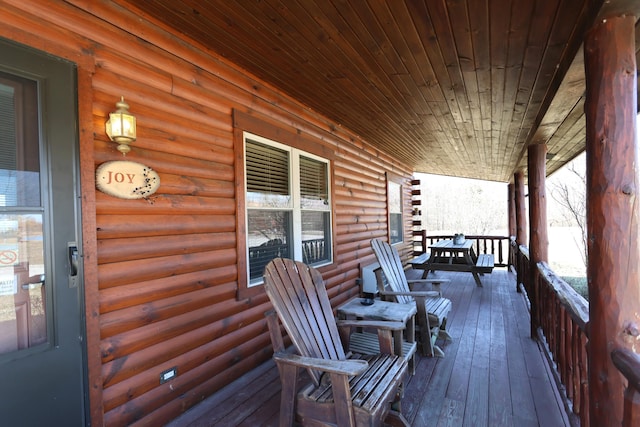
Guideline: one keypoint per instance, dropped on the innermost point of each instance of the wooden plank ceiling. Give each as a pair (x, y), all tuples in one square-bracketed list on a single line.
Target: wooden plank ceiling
[(451, 87)]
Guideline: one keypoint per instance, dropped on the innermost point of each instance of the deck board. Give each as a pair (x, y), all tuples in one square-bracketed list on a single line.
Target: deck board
[(493, 373), (500, 412), (476, 411), (516, 335)]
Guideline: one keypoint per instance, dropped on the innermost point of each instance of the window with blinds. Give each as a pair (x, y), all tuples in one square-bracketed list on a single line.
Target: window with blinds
[(314, 184), (288, 205), (19, 142), (394, 202), (267, 169), (8, 147)]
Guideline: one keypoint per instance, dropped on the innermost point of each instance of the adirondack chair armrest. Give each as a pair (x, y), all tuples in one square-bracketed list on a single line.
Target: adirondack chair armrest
[(341, 367), (415, 294), (375, 324), (433, 281), (435, 284)]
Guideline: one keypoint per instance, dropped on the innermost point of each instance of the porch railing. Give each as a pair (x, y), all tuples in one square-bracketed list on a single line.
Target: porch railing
[(521, 264), (561, 316), (496, 245), (313, 250)]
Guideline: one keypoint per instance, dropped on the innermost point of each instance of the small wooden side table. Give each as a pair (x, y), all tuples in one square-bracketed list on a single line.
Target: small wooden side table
[(366, 342)]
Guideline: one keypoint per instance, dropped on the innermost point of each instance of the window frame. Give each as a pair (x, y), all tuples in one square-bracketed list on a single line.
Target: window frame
[(294, 205), (282, 136)]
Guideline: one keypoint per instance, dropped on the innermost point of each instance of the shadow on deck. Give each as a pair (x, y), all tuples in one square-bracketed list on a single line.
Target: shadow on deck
[(492, 374)]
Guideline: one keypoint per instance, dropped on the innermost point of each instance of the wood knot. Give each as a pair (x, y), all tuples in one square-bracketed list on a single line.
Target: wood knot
[(627, 189), (632, 329)]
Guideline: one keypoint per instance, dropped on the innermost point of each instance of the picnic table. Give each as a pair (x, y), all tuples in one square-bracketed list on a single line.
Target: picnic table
[(446, 255)]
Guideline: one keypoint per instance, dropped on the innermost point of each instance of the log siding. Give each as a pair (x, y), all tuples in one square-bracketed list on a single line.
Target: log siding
[(161, 274)]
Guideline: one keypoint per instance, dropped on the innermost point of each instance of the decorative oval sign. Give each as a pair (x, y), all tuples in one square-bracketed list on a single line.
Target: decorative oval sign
[(127, 180)]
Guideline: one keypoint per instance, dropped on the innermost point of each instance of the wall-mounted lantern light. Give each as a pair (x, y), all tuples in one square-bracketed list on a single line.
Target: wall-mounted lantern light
[(121, 127)]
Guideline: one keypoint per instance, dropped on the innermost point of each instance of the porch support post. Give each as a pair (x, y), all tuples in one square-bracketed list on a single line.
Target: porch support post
[(511, 209), (511, 194), (521, 223), (612, 210), (521, 218), (538, 236)]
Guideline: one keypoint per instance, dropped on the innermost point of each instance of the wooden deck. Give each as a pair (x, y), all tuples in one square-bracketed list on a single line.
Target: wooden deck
[(492, 374)]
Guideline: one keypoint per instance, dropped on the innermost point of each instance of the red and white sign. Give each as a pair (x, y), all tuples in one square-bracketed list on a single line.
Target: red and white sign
[(8, 257)]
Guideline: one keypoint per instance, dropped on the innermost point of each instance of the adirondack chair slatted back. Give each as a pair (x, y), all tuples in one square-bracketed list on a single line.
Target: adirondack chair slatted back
[(389, 261), (300, 298)]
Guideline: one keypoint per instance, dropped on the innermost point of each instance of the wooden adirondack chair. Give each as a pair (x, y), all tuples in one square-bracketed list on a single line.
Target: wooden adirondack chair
[(344, 389), (432, 308)]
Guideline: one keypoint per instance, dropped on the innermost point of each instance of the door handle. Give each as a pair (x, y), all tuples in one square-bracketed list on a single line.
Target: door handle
[(35, 282), (74, 263), (73, 260)]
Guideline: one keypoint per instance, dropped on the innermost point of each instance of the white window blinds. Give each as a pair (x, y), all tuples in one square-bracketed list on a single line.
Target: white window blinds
[(267, 169), (314, 185)]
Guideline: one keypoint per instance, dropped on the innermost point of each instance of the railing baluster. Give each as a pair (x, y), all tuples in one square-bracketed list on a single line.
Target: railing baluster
[(568, 353), (575, 365), (584, 418)]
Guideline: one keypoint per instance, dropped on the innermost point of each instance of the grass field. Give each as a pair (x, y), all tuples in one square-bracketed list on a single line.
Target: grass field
[(565, 258), (579, 284)]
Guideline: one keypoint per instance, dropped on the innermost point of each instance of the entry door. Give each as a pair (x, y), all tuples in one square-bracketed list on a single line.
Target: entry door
[(41, 302)]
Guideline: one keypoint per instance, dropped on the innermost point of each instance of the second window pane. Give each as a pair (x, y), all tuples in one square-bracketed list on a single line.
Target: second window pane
[(316, 237)]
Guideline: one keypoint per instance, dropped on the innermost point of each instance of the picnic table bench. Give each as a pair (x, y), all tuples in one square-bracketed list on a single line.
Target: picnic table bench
[(421, 259), (485, 263)]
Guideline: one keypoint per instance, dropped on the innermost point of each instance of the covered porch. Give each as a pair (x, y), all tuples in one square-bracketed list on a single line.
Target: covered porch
[(493, 373), (170, 296)]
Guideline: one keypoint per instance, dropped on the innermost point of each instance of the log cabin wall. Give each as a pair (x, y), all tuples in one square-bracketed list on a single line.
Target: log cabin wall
[(161, 275)]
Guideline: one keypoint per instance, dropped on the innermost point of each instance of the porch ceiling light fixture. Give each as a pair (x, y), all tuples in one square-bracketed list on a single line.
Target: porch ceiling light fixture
[(121, 127)]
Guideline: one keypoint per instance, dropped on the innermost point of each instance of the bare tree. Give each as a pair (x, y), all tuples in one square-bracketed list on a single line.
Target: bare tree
[(457, 205), (570, 194)]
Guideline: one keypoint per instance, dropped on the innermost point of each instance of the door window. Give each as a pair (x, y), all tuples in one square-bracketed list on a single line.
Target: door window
[(23, 303)]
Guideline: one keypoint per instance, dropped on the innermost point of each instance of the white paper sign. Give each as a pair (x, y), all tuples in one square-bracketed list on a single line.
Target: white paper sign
[(8, 283)]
